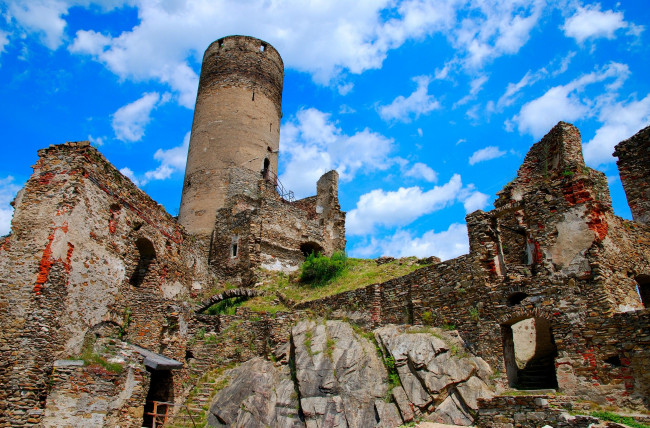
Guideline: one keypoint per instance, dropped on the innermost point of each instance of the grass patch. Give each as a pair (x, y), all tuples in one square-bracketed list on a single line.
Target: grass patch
[(90, 357), (358, 273), (620, 419), (226, 306)]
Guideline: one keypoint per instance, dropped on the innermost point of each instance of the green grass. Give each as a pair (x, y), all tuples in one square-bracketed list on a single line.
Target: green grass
[(358, 274), (613, 417), (92, 358), (226, 306)]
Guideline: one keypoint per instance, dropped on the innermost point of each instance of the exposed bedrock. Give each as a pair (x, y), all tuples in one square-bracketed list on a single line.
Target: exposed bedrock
[(337, 376)]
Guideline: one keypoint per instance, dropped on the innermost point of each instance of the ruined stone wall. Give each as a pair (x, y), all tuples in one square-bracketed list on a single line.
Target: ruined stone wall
[(236, 124), (633, 160), (75, 265), (269, 231), (530, 411), (551, 249), (93, 396)]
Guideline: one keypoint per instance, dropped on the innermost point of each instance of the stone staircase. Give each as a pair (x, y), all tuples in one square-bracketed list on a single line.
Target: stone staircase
[(198, 402), (197, 405), (538, 374)]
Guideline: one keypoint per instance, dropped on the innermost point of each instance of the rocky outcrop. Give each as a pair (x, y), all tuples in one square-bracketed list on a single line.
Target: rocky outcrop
[(438, 376), (334, 376), (340, 377), (258, 395)]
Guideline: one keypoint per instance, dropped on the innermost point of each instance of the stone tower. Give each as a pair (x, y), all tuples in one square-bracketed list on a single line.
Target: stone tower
[(236, 124)]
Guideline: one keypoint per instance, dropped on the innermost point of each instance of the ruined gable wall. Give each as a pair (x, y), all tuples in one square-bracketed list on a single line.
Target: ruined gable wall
[(554, 242), (633, 160), (269, 230), (67, 268)]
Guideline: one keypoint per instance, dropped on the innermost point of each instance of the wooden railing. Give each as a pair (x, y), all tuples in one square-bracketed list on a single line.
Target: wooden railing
[(159, 420)]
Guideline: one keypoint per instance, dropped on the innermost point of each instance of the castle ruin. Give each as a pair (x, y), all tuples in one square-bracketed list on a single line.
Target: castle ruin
[(104, 293)]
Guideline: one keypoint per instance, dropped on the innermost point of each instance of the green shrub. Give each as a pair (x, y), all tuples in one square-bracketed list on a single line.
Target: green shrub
[(318, 269)]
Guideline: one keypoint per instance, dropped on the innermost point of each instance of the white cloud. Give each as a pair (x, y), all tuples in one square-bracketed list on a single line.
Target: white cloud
[(43, 17), (567, 102), (128, 172), (346, 88), (513, 89), (325, 39), (4, 40), (97, 141), (129, 121), (620, 121), (418, 103), (475, 201), (486, 153), (312, 145), (8, 190), (495, 29), (171, 161), (400, 207), (90, 42), (475, 87), (447, 244), (590, 22), (420, 170)]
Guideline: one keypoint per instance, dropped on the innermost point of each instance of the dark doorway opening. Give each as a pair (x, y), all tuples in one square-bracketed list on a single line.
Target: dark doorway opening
[(310, 247), (529, 353), (516, 298), (147, 255), (643, 287), (161, 391), (265, 169)]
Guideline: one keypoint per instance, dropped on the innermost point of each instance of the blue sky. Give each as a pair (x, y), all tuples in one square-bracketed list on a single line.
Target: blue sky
[(426, 108)]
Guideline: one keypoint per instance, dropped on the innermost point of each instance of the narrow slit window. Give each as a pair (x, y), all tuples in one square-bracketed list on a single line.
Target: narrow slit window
[(234, 250)]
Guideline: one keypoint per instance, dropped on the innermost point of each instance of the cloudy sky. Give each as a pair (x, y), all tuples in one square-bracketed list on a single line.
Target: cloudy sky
[(425, 108)]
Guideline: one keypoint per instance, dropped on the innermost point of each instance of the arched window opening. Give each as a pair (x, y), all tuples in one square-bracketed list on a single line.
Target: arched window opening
[(529, 353), (310, 247), (643, 288), (516, 298), (147, 254)]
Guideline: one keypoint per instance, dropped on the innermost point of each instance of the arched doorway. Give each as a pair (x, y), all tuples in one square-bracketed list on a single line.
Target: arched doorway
[(529, 352), (310, 247)]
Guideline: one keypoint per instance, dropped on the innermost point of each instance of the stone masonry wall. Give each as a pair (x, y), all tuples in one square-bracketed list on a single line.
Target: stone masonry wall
[(270, 231), (551, 249), (79, 258), (633, 160)]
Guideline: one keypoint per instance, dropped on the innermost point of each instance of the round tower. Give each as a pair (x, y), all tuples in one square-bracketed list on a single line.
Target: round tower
[(236, 124)]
